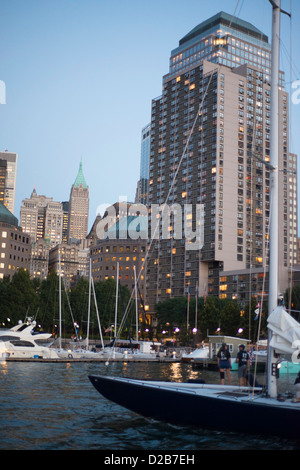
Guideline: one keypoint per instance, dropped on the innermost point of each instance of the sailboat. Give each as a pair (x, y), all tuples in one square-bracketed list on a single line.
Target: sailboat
[(80, 349), (230, 408), (130, 348)]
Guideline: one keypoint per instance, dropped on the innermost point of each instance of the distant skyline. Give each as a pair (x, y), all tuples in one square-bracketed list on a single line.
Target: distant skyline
[(80, 76)]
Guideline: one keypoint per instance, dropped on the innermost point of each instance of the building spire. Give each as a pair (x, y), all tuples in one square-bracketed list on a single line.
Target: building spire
[(80, 179)]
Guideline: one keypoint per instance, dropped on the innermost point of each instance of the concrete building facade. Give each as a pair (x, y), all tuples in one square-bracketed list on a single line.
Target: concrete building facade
[(8, 179), (42, 218), (15, 245)]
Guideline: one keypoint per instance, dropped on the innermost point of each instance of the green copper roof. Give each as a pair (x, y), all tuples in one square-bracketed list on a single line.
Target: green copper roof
[(80, 178), (7, 217)]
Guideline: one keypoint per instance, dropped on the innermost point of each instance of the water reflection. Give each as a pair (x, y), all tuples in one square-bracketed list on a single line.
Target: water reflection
[(54, 406)]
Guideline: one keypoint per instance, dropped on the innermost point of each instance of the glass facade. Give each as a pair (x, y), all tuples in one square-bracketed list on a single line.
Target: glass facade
[(225, 45)]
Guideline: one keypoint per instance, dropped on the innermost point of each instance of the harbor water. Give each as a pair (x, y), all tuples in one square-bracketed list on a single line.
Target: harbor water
[(53, 406)]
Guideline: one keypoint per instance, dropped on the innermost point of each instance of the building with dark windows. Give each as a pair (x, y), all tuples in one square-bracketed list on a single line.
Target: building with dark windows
[(8, 179), (15, 245), (142, 186), (209, 149)]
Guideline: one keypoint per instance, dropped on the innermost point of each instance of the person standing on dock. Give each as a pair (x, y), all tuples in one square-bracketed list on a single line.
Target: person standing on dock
[(242, 359), (224, 363)]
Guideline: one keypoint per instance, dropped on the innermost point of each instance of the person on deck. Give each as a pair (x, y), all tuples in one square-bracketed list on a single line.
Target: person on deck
[(242, 359), (297, 388), (224, 363)]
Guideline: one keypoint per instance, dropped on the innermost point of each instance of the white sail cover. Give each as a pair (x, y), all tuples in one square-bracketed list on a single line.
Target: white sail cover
[(285, 333)]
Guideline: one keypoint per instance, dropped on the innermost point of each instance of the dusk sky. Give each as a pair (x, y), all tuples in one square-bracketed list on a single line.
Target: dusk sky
[(80, 76)]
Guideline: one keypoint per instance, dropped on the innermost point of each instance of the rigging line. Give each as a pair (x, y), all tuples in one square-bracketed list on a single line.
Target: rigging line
[(234, 13), (292, 177), (293, 66), (69, 305), (178, 166), (267, 255), (169, 192), (267, 248)]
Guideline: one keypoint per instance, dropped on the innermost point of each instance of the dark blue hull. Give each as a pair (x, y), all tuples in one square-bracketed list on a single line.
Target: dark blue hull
[(221, 412)]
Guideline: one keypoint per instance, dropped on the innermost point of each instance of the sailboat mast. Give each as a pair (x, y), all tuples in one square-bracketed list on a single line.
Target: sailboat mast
[(89, 307), (117, 294), (97, 311), (59, 296), (136, 305), (274, 161)]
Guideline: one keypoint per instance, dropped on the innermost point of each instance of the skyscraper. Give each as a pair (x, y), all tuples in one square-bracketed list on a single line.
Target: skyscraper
[(78, 208), (210, 147), (142, 187), (42, 218), (8, 179)]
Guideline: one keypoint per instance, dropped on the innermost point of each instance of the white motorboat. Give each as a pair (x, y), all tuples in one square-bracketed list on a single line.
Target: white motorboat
[(26, 330), (199, 353), (23, 342)]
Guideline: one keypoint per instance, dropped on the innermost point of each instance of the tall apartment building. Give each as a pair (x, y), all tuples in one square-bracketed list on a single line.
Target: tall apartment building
[(210, 145), (78, 208), (142, 186), (42, 218), (8, 179)]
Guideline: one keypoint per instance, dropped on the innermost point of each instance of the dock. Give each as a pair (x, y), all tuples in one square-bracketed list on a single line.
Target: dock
[(63, 360)]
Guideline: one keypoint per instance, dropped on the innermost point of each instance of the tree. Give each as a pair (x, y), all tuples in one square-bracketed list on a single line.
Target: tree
[(22, 296), (171, 313), (6, 311), (78, 298), (209, 317), (230, 318)]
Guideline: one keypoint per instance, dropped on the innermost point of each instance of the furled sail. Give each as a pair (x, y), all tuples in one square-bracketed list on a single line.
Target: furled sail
[(285, 333)]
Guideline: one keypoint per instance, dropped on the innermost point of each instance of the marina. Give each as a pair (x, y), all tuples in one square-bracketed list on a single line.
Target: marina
[(67, 391)]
